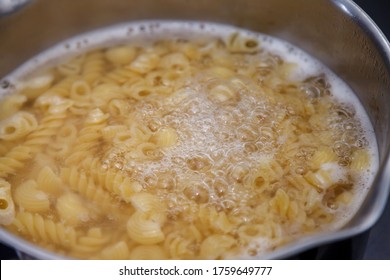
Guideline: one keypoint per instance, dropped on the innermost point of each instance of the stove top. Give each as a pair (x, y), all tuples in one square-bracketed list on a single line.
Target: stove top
[(373, 244)]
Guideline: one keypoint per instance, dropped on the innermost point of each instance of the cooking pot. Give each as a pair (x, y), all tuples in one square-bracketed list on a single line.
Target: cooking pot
[(337, 32)]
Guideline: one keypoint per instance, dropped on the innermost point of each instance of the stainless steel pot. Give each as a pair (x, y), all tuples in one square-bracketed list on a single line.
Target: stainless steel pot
[(337, 32)]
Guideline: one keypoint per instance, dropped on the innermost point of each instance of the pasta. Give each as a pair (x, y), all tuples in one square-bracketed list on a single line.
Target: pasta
[(144, 229), (48, 181), (144, 63), (17, 126), (45, 230), (93, 67), (206, 148), (11, 104), (82, 184), (7, 208), (121, 55), (72, 209), (215, 246), (29, 197), (92, 242), (118, 251)]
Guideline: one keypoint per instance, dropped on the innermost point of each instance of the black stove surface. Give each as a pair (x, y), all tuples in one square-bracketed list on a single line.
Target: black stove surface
[(373, 244)]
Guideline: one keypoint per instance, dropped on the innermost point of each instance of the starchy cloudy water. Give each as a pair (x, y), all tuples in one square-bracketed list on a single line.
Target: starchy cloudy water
[(231, 159)]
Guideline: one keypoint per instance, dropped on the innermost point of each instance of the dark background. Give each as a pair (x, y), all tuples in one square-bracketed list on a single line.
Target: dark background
[(373, 244)]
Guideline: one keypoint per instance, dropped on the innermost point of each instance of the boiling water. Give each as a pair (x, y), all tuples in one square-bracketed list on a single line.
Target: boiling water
[(230, 145)]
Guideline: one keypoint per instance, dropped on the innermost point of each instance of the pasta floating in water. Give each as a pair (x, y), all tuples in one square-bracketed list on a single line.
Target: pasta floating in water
[(181, 148)]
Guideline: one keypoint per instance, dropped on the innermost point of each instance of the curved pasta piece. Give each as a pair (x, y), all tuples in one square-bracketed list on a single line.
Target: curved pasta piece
[(34, 143), (209, 217), (144, 151), (17, 126), (49, 182), (103, 94), (89, 136), (67, 133), (93, 242), (165, 137), (216, 246), (145, 202), (360, 160), (121, 55), (144, 62), (80, 91), (37, 85), (183, 243), (150, 204), (71, 67), (93, 67), (11, 104), (176, 60), (280, 203), (61, 88), (117, 251), (72, 209), (117, 107), (53, 104), (79, 182), (29, 197), (111, 132), (140, 91), (111, 180), (122, 76), (323, 155), (144, 230), (45, 230), (7, 207), (238, 43), (96, 117)]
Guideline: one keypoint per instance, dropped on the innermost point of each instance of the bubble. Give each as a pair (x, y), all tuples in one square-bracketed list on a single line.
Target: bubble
[(250, 147), (344, 161), (154, 124), (349, 125), (166, 181), (259, 181), (246, 133), (345, 111), (361, 142), (237, 172), (300, 170), (197, 192), (220, 187), (198, 163), (151, 180), (252, 252), (342, 149), (311, 91), (228, 205)]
